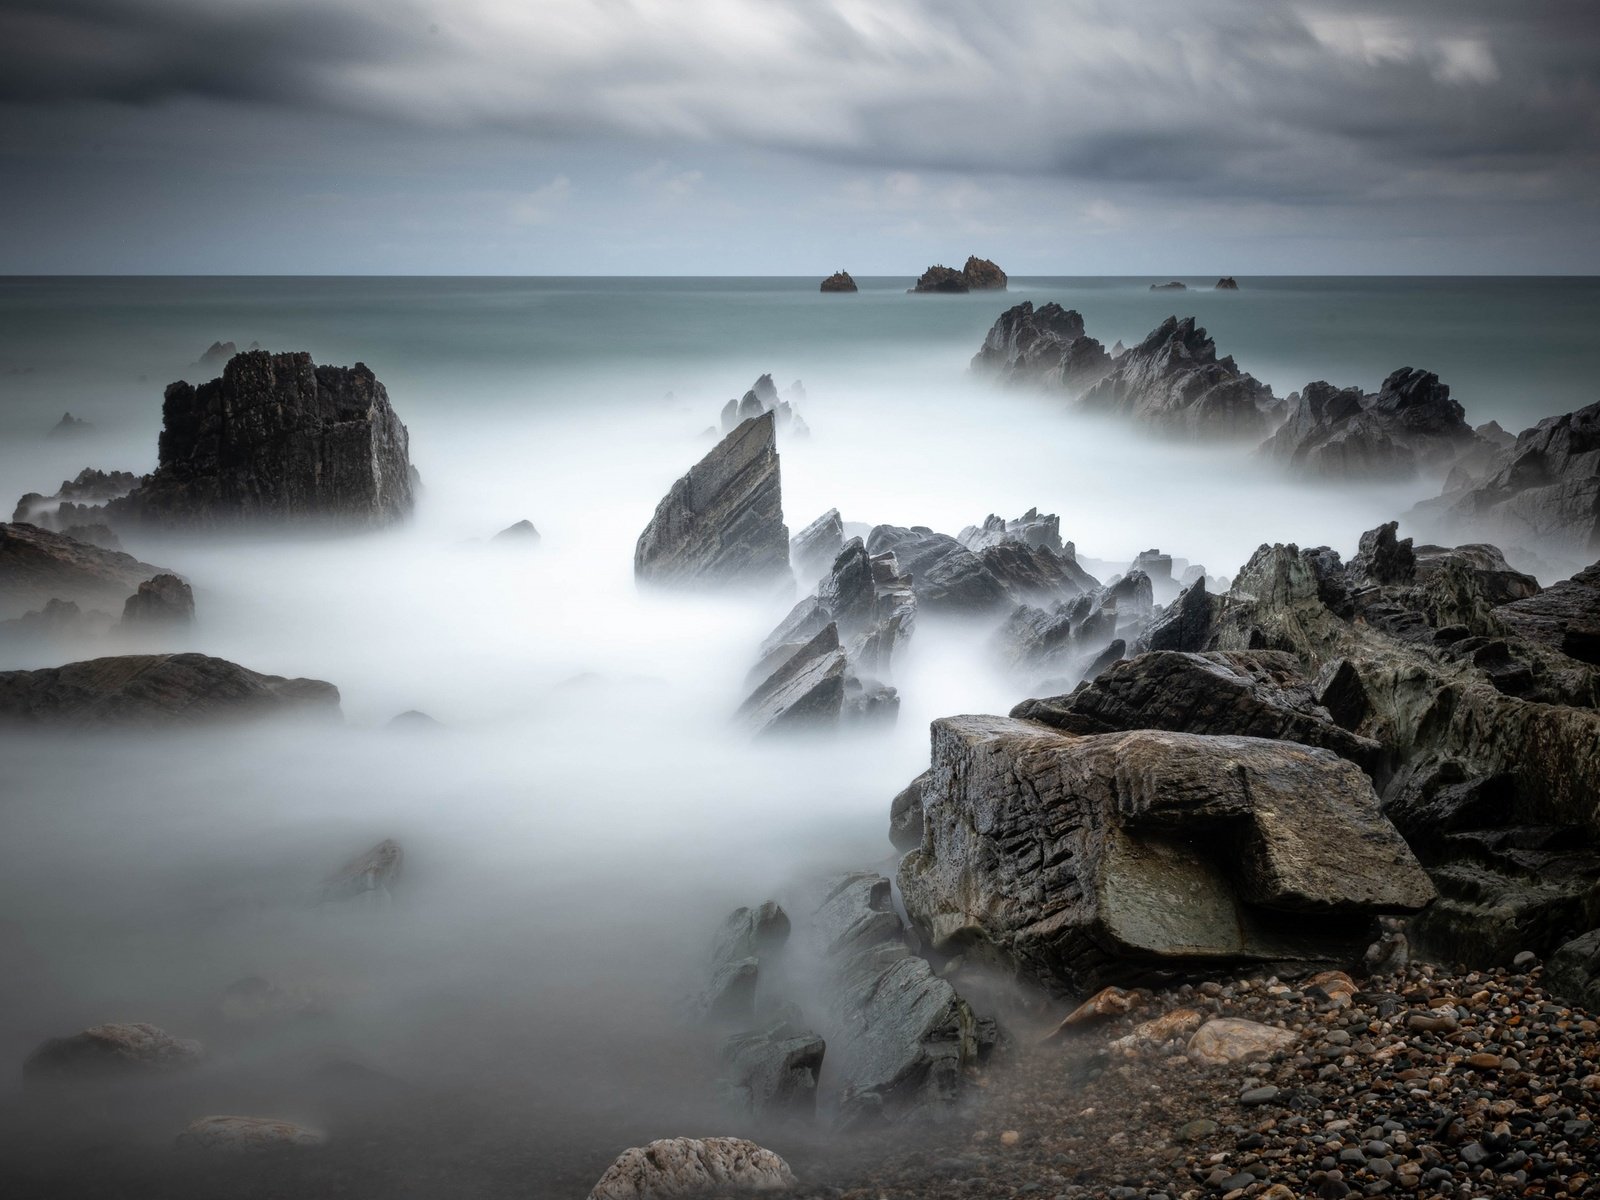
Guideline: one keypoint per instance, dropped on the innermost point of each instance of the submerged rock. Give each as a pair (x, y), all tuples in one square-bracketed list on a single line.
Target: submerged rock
[(686, 1167), (1046, 348), (164, 602), (113, 1049), (156, 690), (277, 438), (722, 523), (1082, 860), (248, 1135), (839, 281)]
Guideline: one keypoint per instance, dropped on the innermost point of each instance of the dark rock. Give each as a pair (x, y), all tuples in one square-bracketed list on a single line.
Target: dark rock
[(1498, 582), (1173, 286), (806, 692), (945, 575), (722, 523), (1573, 972), (156, 689), (1036, 573), (814, 548), (1079, 845), (773, 1072), (369, 877), (277, 438), (1186, 625), (981, 275), (522, 531), (94, 535), (1384, 558), (1044, 348), (1226, 284), (163, 602), (1411, 425), (905, 815), (1174, 382), (941, 279), (1565, 616), (76, 501), (1113, 653), (1031, 640), (839, 281)]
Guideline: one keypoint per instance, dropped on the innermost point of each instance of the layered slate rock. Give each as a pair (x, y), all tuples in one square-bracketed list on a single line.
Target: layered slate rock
[(277, 438), (1046, 348), (900, 1038), (748, 937), (152, 690), (1032, 528), (839, 281), (38, 565), (1173, 382), (1410, 426), (772, 1072), (945, 575), (813, 549), (1082, 860), (939, 279), (1542, 494), (983, 275), (722, 523), (762, 397)]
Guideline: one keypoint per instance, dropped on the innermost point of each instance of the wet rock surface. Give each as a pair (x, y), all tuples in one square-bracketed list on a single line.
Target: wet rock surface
[(722, 523), (151, 690)]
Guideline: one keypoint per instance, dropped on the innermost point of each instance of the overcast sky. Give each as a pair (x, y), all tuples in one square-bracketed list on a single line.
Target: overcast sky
[(799, 136)]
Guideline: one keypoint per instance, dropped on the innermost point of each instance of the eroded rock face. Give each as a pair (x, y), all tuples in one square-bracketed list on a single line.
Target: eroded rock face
[(1174, 382), (684, 1167), (1082, 860), (277, 438), (839, 281), (1541, 494), (149, 690), (1047, 348), (1410, 426), (163, 602), (1033, 529), (38, 565), (938, 279), (747, 937), (116, 1048), (722, 523), (982, 275)]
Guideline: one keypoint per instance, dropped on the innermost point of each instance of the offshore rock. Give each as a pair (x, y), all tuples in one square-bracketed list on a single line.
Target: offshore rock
[(1226, 284), (839, 281), (37, 566), (1173, 382), (982, 275), (277, 438), (938, 279), (1044, 348), (687, 1167), (163, 602), (805, 693), (1078, 861), (146, 690), (1410, 425), (70, 427), (522, 532), (722, 523), (117, 1048), (1173, 286)]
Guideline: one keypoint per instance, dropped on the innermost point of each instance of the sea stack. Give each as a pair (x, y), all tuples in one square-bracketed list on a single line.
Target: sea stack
[(839, 281), (982, 275), (1226, 284), (722, 523), (277, 438), (938, 280)]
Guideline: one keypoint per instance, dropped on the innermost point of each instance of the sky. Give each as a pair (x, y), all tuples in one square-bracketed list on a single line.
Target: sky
[(798, 137)]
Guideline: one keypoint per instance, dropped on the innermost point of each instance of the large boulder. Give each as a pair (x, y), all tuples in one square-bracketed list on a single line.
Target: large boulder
[(982, 275), (1033, 529), (151, 690), (1082, 860), (1540, 496), (839, 281), (688, 1167), (162, 603), (1045, 348), (1410, 426), (1173, 382), (722, 523), (1573, 972), (748, 937), (38, 565), (277, 438), (939, 279), (773, 1071)]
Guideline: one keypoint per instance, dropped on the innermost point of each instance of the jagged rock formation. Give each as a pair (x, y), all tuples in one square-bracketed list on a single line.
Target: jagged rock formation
[(1031, 529), (1173, 286), (1078, 860), (945, 575), (1226, 284), (1186, 624), (1174, 382), (982, 275), (813, 549), (1410, 426), (1045, 348), (1542, 494), (939, 279), (76, 501), (722, 523), (58, 621), (686, 1167), (70, 427), (37, 566), (148, 690), (763, 397), (839, 281), (164, 602)]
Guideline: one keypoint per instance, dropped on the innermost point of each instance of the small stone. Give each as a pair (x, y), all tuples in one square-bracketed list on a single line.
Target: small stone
[(1010, 1137)]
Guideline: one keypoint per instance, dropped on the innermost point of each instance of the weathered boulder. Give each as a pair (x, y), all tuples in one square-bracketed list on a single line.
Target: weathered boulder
[(369, 876), (1541, 495), (38, 565), (1045, 348), (839, 281), (938, 279), (722, 523), (688, 1167), (1173, 382), (905, 815), (117, 1048), (1232, 1041), (813, 549), (806, 691), (981, 275), (248, 1135), (945, 575), (900, 1038), (163, 602), (277, 438), (1082, 860), (523, 533), (1410, 426), (156, 690)]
